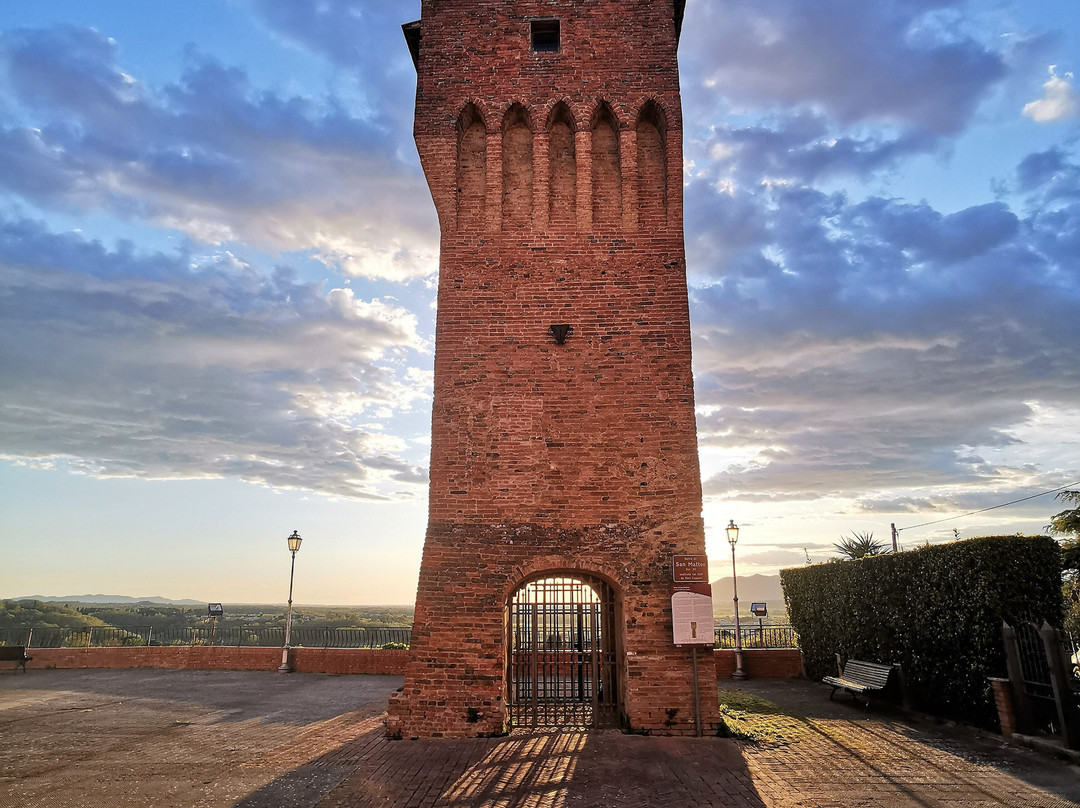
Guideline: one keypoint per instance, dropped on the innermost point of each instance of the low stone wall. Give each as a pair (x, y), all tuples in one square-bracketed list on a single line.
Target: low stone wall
[(761, 663), (782, 663), (223, 658)]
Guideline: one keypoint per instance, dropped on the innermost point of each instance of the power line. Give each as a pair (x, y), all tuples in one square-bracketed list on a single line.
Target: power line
[(991, 508)]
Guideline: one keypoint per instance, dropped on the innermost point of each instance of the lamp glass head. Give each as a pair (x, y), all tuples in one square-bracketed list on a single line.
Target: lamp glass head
[(294, 541), (732, 531)]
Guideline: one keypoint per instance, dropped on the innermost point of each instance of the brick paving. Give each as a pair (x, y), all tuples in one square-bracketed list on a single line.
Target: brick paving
[(176, 738)]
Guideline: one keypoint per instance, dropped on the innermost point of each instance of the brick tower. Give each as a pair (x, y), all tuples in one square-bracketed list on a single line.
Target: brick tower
[(564, 470)]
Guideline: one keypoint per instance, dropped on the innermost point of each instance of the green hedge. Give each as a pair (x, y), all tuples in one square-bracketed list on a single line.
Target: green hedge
[(936, 610)]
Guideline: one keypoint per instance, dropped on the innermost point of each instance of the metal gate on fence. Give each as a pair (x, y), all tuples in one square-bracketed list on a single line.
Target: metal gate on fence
[(1045, 683), (562, 669)]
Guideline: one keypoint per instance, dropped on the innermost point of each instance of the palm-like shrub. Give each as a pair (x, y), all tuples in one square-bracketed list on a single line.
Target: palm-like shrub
[(859, 545)]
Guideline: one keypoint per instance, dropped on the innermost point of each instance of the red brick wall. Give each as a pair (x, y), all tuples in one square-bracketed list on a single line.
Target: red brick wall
[(304, 660), (554, 458), (758, 663), (1003, 700), (761, 664)]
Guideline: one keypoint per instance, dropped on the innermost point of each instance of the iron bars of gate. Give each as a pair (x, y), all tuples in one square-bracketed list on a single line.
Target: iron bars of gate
[(236, 636), (767, 635), (1041, 662)]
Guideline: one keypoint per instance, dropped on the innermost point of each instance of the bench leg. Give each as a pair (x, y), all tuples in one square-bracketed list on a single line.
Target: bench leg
[(855, 698)]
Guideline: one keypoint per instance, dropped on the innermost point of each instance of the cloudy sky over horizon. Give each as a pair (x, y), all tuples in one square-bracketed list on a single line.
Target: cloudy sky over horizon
[(218, 266)]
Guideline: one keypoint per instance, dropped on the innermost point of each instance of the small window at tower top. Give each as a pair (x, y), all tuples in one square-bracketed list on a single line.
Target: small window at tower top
[(545, 36)]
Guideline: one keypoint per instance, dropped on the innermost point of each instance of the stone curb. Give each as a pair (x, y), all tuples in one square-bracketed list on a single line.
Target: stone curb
[(1047, 746)]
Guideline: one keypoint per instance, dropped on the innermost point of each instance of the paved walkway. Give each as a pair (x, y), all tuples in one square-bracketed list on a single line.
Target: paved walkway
[(113, 739)]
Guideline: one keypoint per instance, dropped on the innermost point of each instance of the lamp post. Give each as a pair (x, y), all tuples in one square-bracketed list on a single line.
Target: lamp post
[(732, 531), (294, 545)]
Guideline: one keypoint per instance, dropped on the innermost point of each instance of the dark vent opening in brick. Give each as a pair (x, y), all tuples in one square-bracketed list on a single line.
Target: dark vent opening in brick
[(545, 36)]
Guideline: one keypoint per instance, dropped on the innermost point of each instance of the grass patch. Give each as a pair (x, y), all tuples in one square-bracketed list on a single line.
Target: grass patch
[(754, 720)]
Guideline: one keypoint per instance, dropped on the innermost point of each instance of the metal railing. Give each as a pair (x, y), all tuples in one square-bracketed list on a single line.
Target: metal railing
[(776, 635), (754, 635), (235, 636)]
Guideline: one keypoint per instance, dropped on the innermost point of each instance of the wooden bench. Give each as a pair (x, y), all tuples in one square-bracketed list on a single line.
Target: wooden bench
[(861, 678), (16, 654)]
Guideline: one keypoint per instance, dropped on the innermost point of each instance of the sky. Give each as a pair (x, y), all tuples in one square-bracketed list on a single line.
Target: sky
[(218, 266)]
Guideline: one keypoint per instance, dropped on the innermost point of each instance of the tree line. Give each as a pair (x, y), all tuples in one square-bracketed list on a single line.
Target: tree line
[(72, 614)]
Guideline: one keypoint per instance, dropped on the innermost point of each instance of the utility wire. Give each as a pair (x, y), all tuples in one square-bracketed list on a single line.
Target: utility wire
[(991, 508)]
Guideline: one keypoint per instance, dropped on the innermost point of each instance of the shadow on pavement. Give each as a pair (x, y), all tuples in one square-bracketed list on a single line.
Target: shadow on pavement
[(255, 740), (976, 760), (550, 769)]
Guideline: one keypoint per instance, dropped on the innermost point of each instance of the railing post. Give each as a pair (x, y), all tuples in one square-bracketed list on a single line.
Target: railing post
[(1059, 675), (1021, 705)]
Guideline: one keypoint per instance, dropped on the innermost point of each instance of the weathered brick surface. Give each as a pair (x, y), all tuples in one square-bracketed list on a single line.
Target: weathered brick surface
[(761, 663), (224, 658), (556, 180), (1003, 700)]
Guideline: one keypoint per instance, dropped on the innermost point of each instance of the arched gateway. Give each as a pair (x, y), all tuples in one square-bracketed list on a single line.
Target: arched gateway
[(564, 471), (563, 662)]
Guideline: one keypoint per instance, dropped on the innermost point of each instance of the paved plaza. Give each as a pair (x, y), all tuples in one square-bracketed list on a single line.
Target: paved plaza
[(114, 739)]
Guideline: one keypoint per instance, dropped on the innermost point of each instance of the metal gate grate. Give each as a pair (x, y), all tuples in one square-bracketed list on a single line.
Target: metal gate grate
[(1037, 680), (562, 669)]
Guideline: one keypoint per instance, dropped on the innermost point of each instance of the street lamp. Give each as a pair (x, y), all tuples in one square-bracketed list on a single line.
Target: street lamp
[(294, 545), (732, 531)]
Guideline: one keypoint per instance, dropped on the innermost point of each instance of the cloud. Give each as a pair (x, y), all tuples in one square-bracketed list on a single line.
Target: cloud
[(871, 348), (775, 558), (807, 147), (117, 363), (1059, 102), (355, 35), (908, 62), (850, 346), (211, 156)]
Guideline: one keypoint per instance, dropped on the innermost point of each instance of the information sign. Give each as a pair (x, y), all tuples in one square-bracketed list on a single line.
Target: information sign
[(690, 569), (692, 614)]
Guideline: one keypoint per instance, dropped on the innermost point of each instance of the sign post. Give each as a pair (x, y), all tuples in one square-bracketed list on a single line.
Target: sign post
[(692, 613), (214, 610), (760, 610)]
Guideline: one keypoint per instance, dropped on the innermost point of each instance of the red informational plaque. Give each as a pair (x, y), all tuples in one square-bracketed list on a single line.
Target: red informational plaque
[(692, 614), (690, 569)]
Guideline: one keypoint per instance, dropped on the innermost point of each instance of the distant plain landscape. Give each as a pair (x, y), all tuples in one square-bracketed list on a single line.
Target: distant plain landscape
[(84, 611), (165, 614)]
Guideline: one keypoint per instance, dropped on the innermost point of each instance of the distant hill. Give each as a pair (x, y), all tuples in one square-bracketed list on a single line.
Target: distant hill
[(752, 589), (154, 599)]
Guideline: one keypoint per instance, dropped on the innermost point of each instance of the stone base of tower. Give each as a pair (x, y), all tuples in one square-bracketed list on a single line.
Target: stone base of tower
[(457, 683), (661, 697)]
